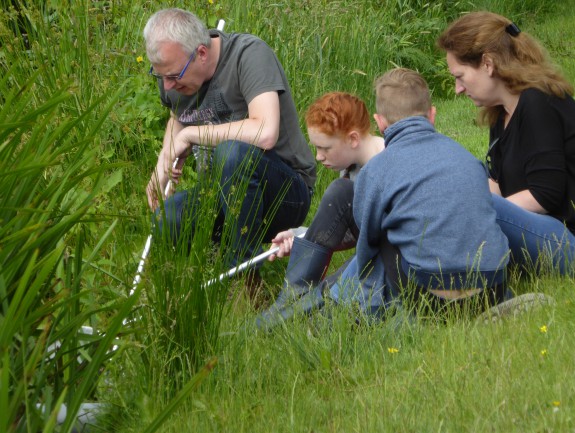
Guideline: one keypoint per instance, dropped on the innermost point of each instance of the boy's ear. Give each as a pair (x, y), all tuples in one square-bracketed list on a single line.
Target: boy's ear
[(431, 114), (381, 121), (354, 138)]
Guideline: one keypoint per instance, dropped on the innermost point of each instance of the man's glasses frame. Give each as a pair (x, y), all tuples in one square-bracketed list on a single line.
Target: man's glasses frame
[(174, 77)]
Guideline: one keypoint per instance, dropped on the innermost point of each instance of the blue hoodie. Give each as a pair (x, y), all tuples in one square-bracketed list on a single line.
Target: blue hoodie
[(432, 198)]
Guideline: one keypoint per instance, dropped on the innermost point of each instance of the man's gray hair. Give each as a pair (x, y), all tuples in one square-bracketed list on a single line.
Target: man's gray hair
[(174, 25)]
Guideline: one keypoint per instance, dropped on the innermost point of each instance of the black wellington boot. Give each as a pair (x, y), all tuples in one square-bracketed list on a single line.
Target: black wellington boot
[(307, 265)]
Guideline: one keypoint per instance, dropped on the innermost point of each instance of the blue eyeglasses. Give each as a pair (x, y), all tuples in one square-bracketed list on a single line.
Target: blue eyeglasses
[(174, 77)]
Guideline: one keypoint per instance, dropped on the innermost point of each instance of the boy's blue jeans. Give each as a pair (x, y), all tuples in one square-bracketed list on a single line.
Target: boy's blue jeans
[(348, 288), (533, 235), (276, 199)]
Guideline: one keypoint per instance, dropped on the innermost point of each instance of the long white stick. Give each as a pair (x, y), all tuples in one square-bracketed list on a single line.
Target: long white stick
[(299, 233), (144, 256)]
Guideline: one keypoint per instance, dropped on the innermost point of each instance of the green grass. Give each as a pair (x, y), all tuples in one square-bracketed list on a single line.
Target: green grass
[(90, 128), (458, 377)]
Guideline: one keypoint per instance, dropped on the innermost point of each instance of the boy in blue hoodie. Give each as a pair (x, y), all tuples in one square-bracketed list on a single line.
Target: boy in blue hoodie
[(423, 208)]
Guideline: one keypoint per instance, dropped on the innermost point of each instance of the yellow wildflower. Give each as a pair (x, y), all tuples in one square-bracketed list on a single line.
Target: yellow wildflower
[(543, 329), (556, 403), (139, 59), (392, 350), (211, 2), (544, 352)]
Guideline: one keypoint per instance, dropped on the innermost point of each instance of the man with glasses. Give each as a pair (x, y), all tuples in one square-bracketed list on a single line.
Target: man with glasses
[(228, 93)]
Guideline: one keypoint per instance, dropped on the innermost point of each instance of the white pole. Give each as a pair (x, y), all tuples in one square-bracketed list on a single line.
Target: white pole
[(299, 233), (148, 244)]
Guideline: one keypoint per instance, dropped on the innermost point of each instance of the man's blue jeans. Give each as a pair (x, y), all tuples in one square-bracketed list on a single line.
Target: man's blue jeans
[(535, 240), (276, 199)]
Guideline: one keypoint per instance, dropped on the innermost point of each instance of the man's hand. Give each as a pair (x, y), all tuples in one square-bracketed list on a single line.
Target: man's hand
[(156, 187), (284, 241), (182, 148), (169, 168)]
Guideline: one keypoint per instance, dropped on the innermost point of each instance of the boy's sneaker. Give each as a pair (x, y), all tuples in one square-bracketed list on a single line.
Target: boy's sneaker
[(515, 306)]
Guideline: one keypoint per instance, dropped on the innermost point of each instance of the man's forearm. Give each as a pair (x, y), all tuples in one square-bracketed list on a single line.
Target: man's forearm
[(260, 128), (173, 128), (250, 131)]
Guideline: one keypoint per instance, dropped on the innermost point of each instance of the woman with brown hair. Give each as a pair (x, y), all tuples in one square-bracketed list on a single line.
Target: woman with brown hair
[(529, 108)]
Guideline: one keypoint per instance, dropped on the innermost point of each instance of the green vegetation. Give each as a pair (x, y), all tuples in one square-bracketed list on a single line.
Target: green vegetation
[(80, 127)]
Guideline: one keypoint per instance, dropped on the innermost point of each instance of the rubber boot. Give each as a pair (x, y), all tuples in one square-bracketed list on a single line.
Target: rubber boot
[(310, 301), (306, 268)]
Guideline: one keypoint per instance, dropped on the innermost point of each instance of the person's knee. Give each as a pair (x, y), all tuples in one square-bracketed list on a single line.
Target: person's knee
[(231, 153), (339, 189)]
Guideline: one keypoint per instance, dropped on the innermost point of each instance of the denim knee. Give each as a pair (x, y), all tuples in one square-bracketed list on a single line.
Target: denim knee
[(177, 209), (340, 190), (230, 154)]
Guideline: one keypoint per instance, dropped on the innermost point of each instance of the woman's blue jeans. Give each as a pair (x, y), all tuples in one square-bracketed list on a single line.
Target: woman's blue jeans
[(536, 241), (276, 198)]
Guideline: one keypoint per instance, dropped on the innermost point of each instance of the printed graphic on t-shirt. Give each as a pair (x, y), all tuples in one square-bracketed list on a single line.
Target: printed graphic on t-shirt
[(212, 110)]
